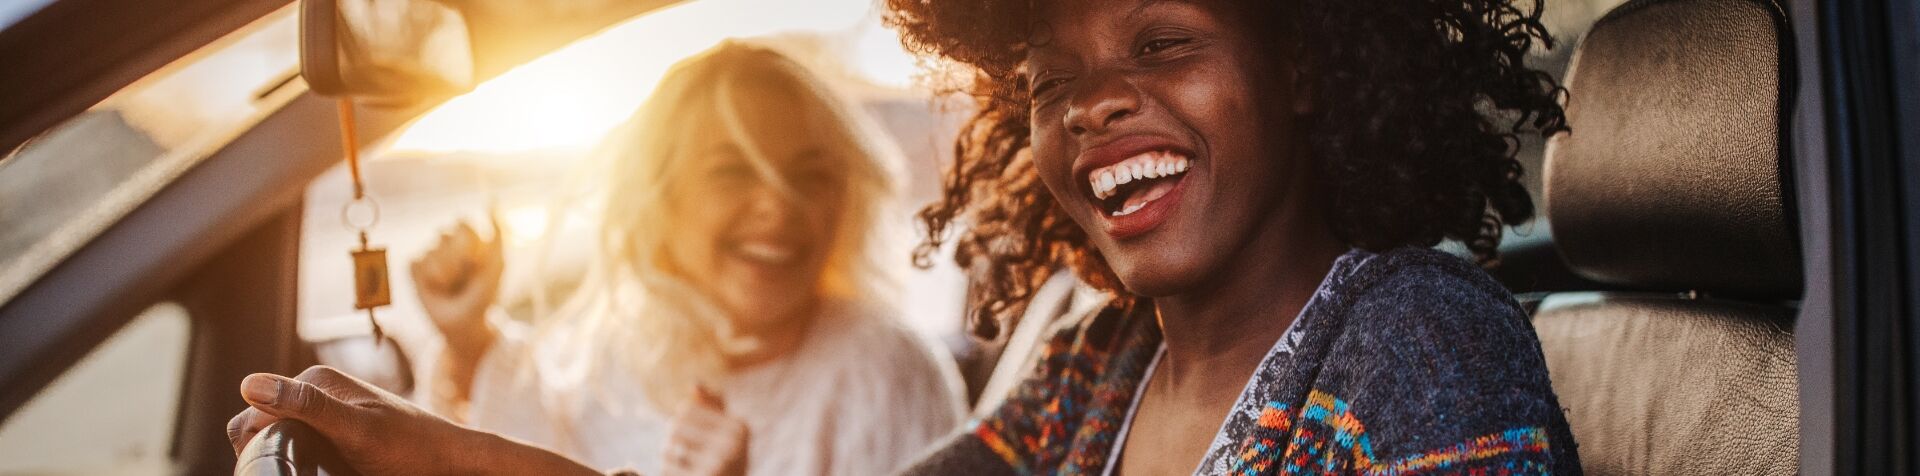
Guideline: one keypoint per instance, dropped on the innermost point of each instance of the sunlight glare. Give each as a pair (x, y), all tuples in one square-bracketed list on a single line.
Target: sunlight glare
[(569, 98), (525, 224)]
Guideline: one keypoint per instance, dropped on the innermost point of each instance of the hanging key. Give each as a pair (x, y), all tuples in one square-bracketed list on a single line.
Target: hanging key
[(372, 286)]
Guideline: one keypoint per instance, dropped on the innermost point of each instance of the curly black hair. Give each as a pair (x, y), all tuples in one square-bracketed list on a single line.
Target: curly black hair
[(1418, 107)]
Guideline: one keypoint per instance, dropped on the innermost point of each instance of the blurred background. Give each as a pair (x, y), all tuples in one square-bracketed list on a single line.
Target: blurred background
[(519, 142), (514, 143)]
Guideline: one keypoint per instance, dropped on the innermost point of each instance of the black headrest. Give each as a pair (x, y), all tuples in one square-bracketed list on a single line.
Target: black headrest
[(1674, 175)]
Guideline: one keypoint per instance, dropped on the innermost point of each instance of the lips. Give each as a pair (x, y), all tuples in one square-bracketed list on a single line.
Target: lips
[(1134, 182), (771, 253)]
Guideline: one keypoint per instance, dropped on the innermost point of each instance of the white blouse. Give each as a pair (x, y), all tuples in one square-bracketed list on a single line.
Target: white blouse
[(863, 394)]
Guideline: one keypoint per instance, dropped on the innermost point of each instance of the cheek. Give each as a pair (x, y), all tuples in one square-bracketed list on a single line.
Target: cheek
[(1218, 100), (693, 236), (1051, 151), (1222, 104), (821, 219)]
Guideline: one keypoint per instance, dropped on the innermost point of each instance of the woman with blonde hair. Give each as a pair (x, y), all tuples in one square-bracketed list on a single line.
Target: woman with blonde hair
[(732, 321)]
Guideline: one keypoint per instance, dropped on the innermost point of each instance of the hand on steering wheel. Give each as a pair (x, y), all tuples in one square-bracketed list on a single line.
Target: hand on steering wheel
[(375, 432), (379, 433)]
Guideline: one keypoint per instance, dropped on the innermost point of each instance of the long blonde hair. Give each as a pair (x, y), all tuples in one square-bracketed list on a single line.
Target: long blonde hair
[(630, 308)]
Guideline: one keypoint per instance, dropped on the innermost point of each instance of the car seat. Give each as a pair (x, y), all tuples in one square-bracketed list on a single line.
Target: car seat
[(1674, 182)]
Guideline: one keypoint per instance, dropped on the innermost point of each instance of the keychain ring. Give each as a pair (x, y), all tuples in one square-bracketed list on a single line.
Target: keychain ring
[(372, 212)]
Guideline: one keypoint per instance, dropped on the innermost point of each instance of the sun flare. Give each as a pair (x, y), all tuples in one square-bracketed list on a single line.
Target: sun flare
[(569, 98)]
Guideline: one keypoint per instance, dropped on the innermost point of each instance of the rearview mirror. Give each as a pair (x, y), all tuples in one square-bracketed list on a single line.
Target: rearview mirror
[(385, 49)]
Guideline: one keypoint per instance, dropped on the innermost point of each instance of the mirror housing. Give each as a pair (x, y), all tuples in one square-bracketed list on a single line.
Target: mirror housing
[(396, 50)]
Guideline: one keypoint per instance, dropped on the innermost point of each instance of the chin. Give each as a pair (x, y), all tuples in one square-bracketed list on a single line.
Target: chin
[(1155, 278), (1169, 261), (766, 302)]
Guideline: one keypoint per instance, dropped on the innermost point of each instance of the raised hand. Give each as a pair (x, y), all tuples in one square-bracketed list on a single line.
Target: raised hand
[(457, 281), (703, 440)]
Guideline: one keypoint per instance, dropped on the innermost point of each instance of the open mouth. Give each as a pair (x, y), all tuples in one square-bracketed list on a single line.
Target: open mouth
[(766, 252), (1127, 187)]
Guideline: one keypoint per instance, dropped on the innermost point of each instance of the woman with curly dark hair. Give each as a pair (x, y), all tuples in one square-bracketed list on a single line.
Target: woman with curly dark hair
[(1260, 185)]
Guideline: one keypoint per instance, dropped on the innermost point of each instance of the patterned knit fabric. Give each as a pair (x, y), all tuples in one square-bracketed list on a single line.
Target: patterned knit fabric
[(1069, 413), (1410, 361)]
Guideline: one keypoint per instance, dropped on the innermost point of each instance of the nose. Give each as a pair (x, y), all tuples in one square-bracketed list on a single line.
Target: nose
[(1107, 99), (767, 205)]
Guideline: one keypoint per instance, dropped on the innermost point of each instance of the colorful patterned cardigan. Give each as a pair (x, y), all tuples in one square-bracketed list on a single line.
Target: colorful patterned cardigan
[(1410, 361)]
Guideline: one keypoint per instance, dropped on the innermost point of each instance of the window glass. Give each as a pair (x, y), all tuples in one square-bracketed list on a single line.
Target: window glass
[(516, 143), (65, 186), (1568, 21), (14, 11), (111, 413)]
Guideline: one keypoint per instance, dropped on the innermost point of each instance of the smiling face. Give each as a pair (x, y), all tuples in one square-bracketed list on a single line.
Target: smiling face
[(754, 206), (1156, 128)]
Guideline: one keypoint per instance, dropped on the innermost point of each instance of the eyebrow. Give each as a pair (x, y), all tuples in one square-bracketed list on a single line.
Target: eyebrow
[(1141, 7)]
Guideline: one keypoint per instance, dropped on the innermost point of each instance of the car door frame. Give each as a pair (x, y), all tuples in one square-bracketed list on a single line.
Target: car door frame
[(1858, 154)]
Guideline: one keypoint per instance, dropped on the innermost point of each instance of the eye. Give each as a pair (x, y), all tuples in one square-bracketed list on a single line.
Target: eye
[(1157, 45), (1047, 84)]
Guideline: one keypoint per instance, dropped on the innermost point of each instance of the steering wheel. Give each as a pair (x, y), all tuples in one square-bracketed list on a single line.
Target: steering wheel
[(290, 448)]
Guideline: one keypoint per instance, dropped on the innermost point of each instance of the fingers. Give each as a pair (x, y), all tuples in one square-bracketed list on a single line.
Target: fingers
[(688, 456), (243, 426), (709, 398), (455, 255), (700, 453), (460, 256), (704, 410), (493, 219), (425, 276), (701, 414), (702, 419), (438, 268), (704, 441), (491, 253), (465, 238), (300, 399), (434, 269)]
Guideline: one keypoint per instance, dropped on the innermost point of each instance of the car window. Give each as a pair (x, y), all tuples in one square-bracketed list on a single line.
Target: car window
[(14, 11), (65, 186), (1568, 21), (111, 413), (515, 141)]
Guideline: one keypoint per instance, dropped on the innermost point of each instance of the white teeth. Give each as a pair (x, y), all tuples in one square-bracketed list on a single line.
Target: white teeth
[(1106, 180), (1130, 209), (766, 252)]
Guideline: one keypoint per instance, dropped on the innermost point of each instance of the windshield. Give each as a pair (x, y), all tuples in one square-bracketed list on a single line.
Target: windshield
[(520, 137), (62, 188)]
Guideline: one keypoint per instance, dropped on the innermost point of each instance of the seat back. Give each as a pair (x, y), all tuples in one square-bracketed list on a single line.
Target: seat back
[(1673, 180)]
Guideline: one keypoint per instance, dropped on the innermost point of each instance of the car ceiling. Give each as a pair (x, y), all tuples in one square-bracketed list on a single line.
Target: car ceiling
[(71, 54)]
